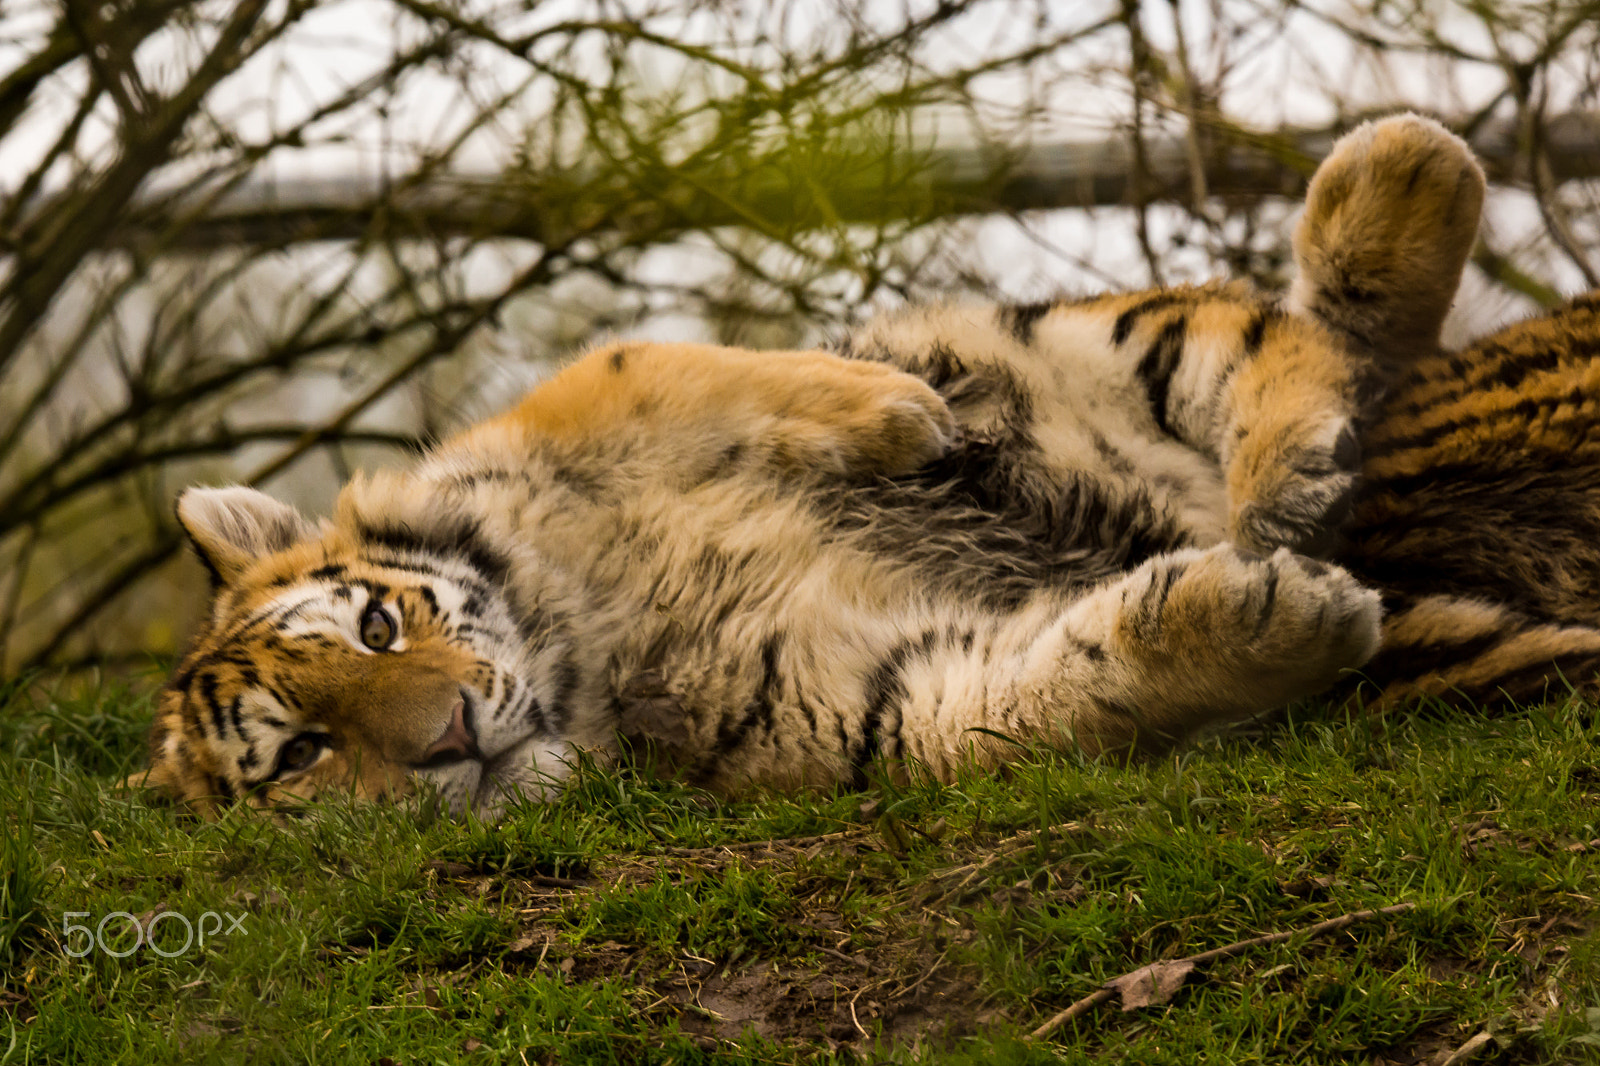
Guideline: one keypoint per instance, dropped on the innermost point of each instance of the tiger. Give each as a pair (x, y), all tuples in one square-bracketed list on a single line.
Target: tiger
[(965, 531)]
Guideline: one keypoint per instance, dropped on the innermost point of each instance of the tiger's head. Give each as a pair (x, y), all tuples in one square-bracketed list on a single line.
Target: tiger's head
[(360, 656)]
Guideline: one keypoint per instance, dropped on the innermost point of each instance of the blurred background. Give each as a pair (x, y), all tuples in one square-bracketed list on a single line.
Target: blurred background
[(273, 241)]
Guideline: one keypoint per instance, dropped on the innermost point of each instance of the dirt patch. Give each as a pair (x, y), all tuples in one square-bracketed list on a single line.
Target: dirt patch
[(838, 986), (896, 996), (18, 1006), (904, 993), (834, 1002)]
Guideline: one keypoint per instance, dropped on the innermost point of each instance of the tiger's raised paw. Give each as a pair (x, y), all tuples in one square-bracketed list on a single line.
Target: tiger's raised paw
[(1390, 218)]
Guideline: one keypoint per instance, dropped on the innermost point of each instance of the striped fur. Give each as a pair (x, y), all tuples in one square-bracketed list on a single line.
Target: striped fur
[(1102, 523), (1480, 517)]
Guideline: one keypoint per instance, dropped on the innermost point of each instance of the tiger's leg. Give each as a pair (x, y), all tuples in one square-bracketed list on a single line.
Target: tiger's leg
[(1389, 221), (1170, 387), (1278, 398), (1187, 639), (702, 407), (1390, 218), (1271, 399)]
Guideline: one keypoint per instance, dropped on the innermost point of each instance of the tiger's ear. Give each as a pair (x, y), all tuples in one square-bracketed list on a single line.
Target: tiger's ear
[(232, 527)]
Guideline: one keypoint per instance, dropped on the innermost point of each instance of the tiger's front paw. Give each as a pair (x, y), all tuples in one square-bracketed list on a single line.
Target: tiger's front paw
[(893, 422), (1292, 486)]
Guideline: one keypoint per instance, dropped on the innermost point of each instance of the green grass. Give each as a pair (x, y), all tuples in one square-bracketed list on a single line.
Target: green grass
[(638, 921)]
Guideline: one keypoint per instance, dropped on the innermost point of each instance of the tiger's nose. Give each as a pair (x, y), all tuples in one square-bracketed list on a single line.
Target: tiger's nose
[(458, 741)]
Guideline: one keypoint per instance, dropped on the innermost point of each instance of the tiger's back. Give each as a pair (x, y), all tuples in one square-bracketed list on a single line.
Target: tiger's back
[(1479, 515)]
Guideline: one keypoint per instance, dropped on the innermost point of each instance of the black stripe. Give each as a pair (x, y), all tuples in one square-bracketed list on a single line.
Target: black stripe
[(1522, 413), (939, 366), (811, 716), (157, 740), (564, 682), (1269, 601), (185, 676), (885, 688), (472, 479), (1146, 620), (413, 565), (459, 538), (1519, 492), (1174, 571), (578, 480), (1108, 453), (1021, 319), (1256, 332), (534, 712), (884, 685), (1089, 649), (208, 693), (1122, 329), (1414, 661), (534, 625), (1506, 362), (766, 694), (1546, 678), (758, 712), (1158, 364)]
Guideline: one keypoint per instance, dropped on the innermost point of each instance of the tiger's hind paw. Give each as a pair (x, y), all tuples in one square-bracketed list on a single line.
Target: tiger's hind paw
[(1390, 219), (1237, 632), (1291, 624)]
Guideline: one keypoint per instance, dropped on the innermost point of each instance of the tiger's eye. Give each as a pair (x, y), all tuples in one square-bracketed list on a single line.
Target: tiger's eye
[(299, 753), (377, 629)]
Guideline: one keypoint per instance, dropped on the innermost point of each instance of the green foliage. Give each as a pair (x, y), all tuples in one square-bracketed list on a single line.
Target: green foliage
[(711, 914), (22, 887)]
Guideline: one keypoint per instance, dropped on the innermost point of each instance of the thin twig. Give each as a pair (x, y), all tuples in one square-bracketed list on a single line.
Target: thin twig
[(548, 881), (768, 844), (1465, 1053), (867, 966), (1139, 180), (1108, 990)]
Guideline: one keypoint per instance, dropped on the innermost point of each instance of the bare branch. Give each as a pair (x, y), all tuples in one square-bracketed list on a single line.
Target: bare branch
[(1074, 174)]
